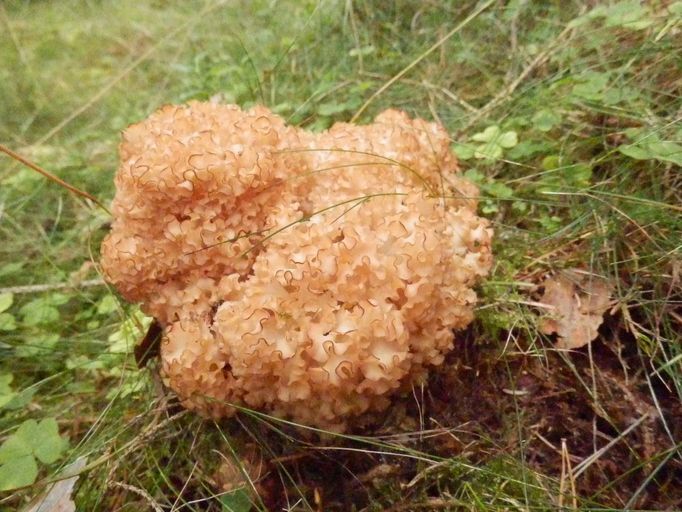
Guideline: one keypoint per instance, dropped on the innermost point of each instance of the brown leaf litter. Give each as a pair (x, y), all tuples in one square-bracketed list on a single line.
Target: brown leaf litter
[(576, 301)]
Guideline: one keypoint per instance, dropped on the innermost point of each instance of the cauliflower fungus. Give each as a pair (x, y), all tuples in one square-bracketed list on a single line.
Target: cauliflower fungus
[(305, 275)]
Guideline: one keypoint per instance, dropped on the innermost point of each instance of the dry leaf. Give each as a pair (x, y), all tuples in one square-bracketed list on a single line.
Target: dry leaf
[(57, 498), (578, 302), (245, 471)]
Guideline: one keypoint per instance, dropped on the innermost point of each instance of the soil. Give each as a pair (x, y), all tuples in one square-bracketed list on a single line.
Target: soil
[(593, 400)]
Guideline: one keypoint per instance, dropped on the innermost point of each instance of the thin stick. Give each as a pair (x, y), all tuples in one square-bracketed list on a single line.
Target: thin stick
[(588, 461), (48, 287), (52, 177), (567, 470), (428, 52)]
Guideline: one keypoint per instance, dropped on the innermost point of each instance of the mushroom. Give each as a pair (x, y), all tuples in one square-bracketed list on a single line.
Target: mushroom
[(305, 275)]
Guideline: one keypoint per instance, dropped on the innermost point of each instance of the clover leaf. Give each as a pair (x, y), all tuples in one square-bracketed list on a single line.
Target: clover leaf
[(236, 501), (492, 143), (32, 440), (544, 120), (7, 322), (6, 393), (651, 147), (6, 300)]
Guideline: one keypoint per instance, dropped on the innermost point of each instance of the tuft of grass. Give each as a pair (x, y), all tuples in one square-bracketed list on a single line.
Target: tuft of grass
[(567, 116)]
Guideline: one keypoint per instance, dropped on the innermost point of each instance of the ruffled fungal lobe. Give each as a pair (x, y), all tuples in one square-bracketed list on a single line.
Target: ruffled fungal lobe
[(304, 275)]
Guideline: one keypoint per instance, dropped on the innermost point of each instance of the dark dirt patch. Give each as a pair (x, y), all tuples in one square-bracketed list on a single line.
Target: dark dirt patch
[(596, 398), (483, 408)]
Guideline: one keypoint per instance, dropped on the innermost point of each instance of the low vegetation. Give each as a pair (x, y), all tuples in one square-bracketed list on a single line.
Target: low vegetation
[(565, 113)]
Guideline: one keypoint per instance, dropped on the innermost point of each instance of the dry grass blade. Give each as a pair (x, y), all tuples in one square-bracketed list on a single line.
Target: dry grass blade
[(139, 60), (585, 464), (75, 190), (428, 52), (507, 91)]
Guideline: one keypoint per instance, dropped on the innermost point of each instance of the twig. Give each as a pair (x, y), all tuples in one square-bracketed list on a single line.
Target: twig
[(47, 287), (566, 472), (586, 463), (428, 52), (52, 177), (423, 83)]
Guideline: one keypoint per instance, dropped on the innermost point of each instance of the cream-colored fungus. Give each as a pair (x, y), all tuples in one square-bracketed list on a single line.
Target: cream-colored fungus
[(304, 275)]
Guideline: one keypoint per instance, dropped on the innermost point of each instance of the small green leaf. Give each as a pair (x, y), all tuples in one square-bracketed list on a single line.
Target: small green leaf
[(635, 151), (57, 299), (39, 311), (48, 445), (236, 501), (28, 431), (107, 305), (526, 149), (329, 109), (615, 95), (591, 85), (489, 207), (487, 135), (550, 223), (21, 398), (640, 135), (39, 343), (5, 380), (17, 463), (14, 447), (630, 14), (490, 150), (11, 268), (551, 162), (123, 340), (580, 20), (507, 140), (667, 151), (7, 322), (474, 175), (6, 300), (499, 190), (545, 120), (463, 151), (282, 108), (332, 108), (18, 472), (130, 386), (580, 174), (6, 393)]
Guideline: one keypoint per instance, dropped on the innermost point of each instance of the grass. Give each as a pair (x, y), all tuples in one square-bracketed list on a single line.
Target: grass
[(584, 172)]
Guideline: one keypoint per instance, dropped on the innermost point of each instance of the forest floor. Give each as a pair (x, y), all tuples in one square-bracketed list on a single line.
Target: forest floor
[(567, 116)]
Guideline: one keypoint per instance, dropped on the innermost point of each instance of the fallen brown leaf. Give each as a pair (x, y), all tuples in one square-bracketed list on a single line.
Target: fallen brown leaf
[(242, 472), (577, 302)]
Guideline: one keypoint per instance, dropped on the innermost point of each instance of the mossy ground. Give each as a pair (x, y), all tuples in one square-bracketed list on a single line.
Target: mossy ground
[(592, 93)]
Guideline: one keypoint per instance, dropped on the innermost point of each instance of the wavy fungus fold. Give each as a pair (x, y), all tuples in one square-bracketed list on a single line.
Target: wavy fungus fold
[(305, 275)]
